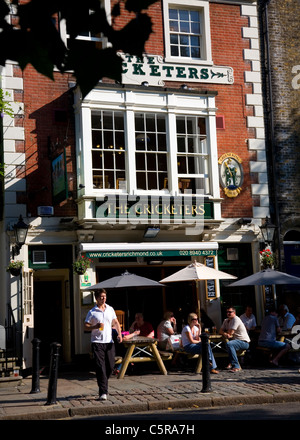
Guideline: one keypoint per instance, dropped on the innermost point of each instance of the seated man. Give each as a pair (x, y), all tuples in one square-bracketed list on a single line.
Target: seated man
[(267, 338), (144, 327), (237, 338), (248, 319), (286, 319)]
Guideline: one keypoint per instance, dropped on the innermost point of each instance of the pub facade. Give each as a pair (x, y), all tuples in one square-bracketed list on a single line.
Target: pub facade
[(146, 175)]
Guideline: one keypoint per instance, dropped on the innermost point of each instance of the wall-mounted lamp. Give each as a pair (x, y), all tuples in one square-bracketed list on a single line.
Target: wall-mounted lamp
[(267, 231), (184, 87), (145, 84), (155, 262), (151, 232), (20, 230)]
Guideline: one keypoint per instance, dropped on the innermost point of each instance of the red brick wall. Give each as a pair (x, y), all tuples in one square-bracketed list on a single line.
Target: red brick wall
[(45, 138), (227, 50), (42, 97)]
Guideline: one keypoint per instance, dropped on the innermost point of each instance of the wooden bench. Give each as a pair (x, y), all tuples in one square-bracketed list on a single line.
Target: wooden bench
[(189, 356), (217, 354), (165, 356), (266, 352)]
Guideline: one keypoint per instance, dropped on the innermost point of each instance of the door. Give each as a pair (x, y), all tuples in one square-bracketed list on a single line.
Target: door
[(28, 317), (47, 316)]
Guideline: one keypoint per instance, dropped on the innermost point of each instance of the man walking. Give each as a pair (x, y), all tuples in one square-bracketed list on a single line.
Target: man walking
[(237, 338), (99, 321)]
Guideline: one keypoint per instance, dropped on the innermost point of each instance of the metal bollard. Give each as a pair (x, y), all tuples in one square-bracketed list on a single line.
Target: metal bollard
[(206, 384), (52, 385), (35, 385)]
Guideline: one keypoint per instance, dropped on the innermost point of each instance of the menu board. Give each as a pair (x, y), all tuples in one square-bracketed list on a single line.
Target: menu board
[(210, 285), (269, 297)]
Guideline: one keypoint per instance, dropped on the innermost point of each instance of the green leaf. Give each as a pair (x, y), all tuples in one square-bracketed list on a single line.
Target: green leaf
[(4, 9), (132, 38), (38, 42), (116, 10), (90, 65), (138, 5)]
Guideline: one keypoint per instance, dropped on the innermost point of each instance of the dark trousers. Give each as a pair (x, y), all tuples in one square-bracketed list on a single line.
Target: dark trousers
[(104, 355)]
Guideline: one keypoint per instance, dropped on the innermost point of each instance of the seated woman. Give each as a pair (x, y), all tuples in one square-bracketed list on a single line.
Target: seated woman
[(144, 327), (190, 337), (165, 329)]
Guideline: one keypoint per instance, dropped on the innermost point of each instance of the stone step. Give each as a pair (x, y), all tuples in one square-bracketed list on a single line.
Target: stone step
[(11, 381)]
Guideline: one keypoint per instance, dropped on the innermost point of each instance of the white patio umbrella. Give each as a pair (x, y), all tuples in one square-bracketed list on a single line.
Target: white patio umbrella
[(197, 272)]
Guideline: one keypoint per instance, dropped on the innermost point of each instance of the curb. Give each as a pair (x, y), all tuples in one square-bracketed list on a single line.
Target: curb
[(206, 402), (43, 415)]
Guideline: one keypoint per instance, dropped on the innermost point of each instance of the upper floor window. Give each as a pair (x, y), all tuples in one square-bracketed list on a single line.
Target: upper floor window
[(151, 151), (99, 39), (192, 154), (108, 150), (150, 146), (187, 31)]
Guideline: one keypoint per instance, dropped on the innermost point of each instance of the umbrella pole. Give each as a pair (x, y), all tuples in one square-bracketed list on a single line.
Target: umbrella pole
[(127, 308), (196, 286)]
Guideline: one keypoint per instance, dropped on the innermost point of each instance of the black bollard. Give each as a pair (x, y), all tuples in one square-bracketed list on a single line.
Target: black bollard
[(52, 385), (35, 386), (206, 384)]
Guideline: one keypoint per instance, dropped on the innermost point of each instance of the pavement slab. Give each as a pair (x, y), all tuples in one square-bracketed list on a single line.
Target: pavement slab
[(77, 392)]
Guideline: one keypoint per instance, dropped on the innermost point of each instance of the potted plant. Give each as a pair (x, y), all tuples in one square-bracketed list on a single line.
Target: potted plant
[(81, 265), (267, 258), (15, 267)]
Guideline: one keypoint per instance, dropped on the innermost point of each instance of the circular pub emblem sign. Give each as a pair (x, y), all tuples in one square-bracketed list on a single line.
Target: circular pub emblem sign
[(231, 174)]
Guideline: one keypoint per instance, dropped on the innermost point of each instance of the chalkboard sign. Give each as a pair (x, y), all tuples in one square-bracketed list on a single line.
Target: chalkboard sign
[(210, 285), (269, 297)]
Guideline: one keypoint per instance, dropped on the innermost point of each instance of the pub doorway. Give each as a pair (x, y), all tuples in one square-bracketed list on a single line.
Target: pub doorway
[(52, 317), (47, 316)]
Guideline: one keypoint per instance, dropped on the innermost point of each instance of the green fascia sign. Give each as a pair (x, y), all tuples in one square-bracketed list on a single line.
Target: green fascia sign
[(151, 254), (153, 209)]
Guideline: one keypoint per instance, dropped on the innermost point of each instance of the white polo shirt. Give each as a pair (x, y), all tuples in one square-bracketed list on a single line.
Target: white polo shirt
[(96, 315)]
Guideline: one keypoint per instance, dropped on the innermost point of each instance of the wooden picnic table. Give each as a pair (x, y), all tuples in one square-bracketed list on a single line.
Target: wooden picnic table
[(141, 349)]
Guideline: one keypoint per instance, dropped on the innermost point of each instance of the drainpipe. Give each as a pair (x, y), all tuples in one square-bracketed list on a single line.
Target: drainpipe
[(274, 210)]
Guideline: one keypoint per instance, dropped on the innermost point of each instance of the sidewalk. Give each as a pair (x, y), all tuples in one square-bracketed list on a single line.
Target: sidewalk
[(77, 393)]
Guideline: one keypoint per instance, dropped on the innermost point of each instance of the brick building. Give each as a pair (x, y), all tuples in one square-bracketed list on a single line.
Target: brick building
[(178, 148), (281, 83)]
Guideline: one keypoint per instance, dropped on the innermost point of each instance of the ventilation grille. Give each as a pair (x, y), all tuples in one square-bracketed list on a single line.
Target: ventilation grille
[(39, 257), (220, 122)]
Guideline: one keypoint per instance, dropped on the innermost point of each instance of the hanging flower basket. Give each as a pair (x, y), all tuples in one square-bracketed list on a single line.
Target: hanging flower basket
[(15, 267), (81, 265), (267, 258)]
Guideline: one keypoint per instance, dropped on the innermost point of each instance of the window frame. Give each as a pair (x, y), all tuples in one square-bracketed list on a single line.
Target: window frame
[(203, 8), (151, 155), (171, 104), (101, 40), (114, 150), (198, 157)]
